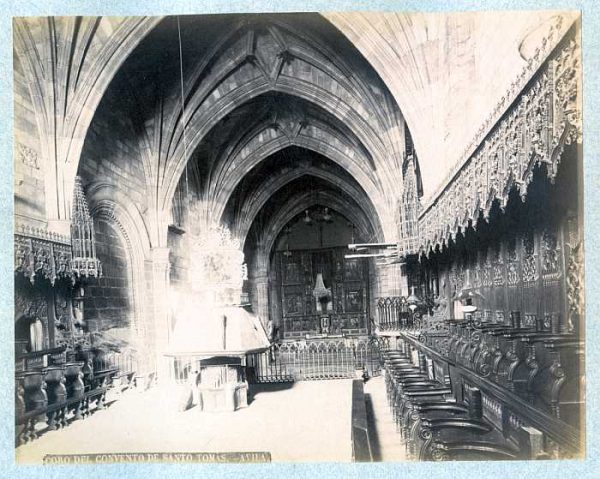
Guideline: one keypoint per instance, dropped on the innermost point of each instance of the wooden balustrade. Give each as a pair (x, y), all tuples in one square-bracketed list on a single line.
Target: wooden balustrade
[(59, 394), (393, 314)]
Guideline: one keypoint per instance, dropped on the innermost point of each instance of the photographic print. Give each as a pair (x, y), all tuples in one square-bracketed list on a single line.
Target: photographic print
[(298, 237)]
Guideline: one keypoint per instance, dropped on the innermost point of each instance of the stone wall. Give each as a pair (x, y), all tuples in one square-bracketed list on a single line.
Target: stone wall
[(179, 259), (108, 305), (28, 163), (111, 154)]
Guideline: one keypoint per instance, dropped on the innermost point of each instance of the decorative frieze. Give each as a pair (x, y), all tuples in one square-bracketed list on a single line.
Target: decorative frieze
[(575, 289), (533, 130), (550, 256), (84, 262), (512, 263), (41, 234), (50, 259), (52, 255), (529, 263)]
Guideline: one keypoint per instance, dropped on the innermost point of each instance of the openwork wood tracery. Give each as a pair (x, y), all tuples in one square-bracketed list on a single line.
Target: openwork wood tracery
[(534, 130)]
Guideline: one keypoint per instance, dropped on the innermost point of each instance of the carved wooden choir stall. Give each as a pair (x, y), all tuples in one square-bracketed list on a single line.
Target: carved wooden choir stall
[(489, 364), (59, 377)]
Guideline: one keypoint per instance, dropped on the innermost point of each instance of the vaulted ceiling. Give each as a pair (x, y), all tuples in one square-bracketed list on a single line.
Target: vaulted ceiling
[(338, 86), (247, 88), (447, 71)]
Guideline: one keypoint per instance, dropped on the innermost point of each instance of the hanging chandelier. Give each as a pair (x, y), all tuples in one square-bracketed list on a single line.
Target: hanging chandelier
[(307, 219), (84, 261), (322, 216)]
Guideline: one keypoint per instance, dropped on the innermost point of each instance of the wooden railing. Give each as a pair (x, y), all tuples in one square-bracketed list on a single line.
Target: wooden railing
[(392, 313), (58, 395), (62, 388), (124, 362)]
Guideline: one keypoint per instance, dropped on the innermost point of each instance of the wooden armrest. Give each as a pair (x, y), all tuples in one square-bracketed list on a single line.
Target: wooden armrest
[(479, 448), (421, 384), (409, 374), (545, 336), (463, 424), (489, 326), (416, 379), (448, 407), (427, 392), (517, 333), (437, 402), (563, 343), (499, 331)]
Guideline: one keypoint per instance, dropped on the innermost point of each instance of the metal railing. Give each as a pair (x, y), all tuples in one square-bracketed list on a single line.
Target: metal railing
[(315, 360), (179, 368)]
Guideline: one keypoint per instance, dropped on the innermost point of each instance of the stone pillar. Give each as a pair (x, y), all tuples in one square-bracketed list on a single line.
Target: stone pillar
[(260, 284), (385, 281), (160, 306), (261, 295), (392, 281)]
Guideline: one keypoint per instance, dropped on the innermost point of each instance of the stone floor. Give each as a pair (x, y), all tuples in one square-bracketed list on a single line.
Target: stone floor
[(287, 420), (304, 421)]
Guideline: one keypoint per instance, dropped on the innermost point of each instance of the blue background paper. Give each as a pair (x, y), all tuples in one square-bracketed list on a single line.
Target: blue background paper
[(588, 468)]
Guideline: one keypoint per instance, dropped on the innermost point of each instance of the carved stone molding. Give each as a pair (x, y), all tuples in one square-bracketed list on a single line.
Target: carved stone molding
[(28, 156)]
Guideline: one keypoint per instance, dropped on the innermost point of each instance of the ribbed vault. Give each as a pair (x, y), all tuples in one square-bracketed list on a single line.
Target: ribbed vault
[(287, 173), (287, 203), (252, 86)]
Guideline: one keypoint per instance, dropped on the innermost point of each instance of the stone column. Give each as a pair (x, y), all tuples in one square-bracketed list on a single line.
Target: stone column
[(390, 281), (261, 292), (160, 306), (260, 284)]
